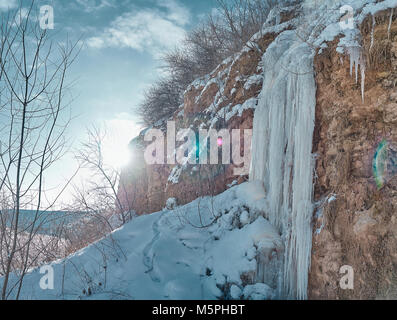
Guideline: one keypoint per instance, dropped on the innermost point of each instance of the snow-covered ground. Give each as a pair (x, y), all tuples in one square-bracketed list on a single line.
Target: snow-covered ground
[(211, 248)]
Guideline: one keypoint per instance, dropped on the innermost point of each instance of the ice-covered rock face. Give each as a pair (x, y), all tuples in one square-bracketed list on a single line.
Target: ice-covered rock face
[(281, 150), (284, 122)]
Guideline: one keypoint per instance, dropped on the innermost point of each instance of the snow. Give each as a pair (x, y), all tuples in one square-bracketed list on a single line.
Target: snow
[(320, 216), (259, 291), (235, 292), (198, 83), (175, 174), (255, 79), (238, 109), (230, 111), (232, 184), (171, 204), (331, 198), (259, 234), (170, 255), (244, 218)]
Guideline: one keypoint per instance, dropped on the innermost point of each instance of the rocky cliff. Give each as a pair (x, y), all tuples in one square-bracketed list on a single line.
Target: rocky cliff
[(225, 99), (355, 220)]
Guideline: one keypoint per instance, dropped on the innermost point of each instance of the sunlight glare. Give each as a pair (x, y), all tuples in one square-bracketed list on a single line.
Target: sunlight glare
[(119, 133)]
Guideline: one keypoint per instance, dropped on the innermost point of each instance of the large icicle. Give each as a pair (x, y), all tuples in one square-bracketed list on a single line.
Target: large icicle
[(281, 152), (357, 60)]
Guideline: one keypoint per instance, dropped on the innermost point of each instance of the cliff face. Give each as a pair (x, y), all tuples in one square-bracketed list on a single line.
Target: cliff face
[(355, 222), (357, 225), (224, 99)]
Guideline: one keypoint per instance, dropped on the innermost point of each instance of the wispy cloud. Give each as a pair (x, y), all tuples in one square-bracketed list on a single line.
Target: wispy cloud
[(152, 30), (8, 4), (176, 12), (94, 5)]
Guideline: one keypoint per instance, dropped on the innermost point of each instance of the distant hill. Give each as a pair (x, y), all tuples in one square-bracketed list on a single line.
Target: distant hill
[(48, 221)]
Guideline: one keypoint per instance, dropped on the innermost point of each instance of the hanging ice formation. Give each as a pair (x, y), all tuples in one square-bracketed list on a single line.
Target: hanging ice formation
[(352, 44), (357, 61), (390, 23), (372, 32), (282, 152)]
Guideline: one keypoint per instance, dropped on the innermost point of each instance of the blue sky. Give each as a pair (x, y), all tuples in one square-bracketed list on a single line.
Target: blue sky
[(123, 41)]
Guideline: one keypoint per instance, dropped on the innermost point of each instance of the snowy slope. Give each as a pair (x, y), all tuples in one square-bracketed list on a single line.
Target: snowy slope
[(168, 255)]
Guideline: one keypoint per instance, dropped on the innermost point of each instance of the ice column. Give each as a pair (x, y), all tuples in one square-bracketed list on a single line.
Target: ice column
[(282, 152)]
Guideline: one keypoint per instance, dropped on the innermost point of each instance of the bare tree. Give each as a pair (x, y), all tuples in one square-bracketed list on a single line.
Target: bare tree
[(161, 100), (101, 196), (32, 89), (222, 34)]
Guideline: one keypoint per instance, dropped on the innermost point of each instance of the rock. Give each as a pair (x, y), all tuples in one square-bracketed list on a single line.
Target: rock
[(390, 113), (359, 228), (364, 223)]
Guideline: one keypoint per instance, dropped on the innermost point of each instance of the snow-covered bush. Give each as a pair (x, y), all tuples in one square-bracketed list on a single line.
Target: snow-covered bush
[(171, 204)]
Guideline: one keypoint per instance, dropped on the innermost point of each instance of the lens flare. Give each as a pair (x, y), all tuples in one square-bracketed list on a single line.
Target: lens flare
[(380, 164)]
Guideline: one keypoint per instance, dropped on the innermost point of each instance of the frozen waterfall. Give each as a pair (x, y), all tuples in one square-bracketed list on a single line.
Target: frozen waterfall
[(282, 152)]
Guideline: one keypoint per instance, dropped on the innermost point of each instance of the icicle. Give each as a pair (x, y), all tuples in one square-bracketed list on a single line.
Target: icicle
[(357, 60), (390, 22), (362, 67), (372, 33), (351, 65), (281, 152)]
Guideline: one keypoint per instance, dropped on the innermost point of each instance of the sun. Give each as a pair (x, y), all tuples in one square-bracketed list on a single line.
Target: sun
[(115, 148), (116, 155)]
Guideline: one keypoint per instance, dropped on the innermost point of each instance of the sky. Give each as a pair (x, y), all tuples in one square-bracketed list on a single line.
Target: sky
[(122, 44)]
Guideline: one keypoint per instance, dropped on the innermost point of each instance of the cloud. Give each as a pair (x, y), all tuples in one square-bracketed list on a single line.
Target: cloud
[(8, 4), (151, 30), (176, 12), (94, 5)]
